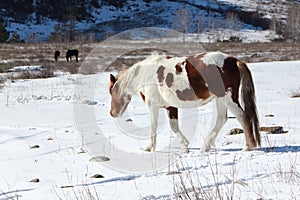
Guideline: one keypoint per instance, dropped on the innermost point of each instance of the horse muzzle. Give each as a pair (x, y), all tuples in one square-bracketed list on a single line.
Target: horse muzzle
[(115, 114)]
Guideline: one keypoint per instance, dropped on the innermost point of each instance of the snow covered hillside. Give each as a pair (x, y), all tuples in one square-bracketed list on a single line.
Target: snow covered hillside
[(44, 154), (104, 20)]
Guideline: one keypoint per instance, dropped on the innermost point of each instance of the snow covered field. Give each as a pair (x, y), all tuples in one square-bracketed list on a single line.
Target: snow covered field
[(46, 154)]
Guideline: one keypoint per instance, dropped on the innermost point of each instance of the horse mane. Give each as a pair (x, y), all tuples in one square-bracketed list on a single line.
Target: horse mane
[(153, 57), (126, 75)]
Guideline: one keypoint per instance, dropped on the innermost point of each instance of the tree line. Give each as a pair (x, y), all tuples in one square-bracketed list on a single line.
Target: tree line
[(35, 10), (65, 12)]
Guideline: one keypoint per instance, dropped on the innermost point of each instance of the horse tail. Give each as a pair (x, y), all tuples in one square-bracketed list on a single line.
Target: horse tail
[(251, 121)]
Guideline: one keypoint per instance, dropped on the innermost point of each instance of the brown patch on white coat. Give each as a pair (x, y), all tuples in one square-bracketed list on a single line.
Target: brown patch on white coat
[(178, 67), (119, 102), (160, 74)]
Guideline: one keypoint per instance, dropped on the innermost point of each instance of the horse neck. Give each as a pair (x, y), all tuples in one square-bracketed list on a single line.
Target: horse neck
[(130, 81), (139, 75)]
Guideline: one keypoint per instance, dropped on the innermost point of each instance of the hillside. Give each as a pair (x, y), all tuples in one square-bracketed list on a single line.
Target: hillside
[(43, 20)]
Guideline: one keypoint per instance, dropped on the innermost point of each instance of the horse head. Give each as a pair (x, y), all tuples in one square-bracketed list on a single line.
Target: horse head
[(119, 97)]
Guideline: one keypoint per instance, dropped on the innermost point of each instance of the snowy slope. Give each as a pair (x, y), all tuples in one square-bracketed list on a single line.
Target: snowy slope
[(269, 8), (109, 20), (44, 113)]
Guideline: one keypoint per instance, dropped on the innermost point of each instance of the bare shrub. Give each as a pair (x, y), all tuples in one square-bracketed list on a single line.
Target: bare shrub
[(182, 21), (2, 81), (290, 173), (86, 191), (190, 186), (28, 74)]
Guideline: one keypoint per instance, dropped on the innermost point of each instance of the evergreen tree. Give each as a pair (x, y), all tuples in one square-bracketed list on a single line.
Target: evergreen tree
[(15, 38), (58, 10), (4, 34), (42, 9), (69, 29), (115, 3), (21, 9), (56, 35)]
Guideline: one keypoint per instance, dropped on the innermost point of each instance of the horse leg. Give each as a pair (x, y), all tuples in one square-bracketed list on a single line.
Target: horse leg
[(76, 57), (238, 112), (153, 111), (173, 120), (221, 119)]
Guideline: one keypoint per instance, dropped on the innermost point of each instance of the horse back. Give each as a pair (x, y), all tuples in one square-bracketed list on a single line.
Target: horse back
[(72, 52), (198, 78)]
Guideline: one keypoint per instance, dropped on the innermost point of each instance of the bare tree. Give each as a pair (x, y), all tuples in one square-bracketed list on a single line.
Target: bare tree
[(292, 29), (182, 21), (274, 27), (4, 34), (233, 24), (199, 24)]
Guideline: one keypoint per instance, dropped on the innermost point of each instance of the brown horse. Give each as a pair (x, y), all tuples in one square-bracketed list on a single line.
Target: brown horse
[(56, 55), (187, 82)]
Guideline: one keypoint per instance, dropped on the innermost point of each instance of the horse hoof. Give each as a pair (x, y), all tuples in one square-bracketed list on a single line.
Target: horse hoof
[(205, 149), (247, 148), (185, 150), (149, 149)]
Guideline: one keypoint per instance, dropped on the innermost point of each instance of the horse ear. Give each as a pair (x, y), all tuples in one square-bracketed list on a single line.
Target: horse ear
[(112, 78), (124, 66)]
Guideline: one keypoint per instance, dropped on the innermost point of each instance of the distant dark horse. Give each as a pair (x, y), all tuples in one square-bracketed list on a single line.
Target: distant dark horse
[(70, 53), (56, 55)]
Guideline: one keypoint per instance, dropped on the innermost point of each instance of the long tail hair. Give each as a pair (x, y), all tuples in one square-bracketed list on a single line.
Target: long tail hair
[(251, 122)]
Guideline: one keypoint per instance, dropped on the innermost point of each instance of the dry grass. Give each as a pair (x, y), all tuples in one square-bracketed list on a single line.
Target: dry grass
[(289, 174), (259, 52), (27, 74), (190, 186), (2, 81), (12, 55)]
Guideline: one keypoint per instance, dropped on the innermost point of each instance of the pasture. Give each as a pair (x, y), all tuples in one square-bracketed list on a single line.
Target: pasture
[(12, 55)]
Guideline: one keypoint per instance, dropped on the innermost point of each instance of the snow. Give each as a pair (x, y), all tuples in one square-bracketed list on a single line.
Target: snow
[(27, 68), (56, 115), (39, 32), (269, 8)]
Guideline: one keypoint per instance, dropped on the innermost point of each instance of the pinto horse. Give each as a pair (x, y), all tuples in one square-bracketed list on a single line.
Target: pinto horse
[(70, 53), (187, 82)]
